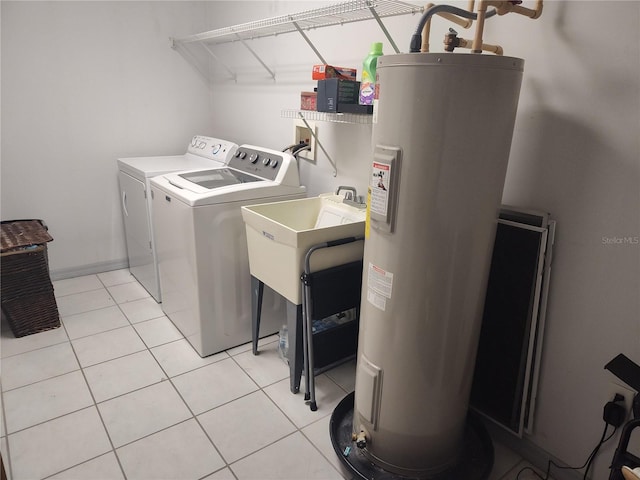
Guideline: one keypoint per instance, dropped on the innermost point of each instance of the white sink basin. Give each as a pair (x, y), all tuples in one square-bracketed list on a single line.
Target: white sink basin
[(279, 235)]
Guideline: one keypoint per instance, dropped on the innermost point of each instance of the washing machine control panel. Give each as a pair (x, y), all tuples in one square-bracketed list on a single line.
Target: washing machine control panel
[(262, 163), (212, 148)]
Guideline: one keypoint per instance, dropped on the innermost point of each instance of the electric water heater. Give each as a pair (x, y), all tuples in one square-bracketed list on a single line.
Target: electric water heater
[(441, 146)]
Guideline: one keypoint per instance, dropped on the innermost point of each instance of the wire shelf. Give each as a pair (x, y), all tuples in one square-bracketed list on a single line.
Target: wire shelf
[(338, 14), (361, 119)]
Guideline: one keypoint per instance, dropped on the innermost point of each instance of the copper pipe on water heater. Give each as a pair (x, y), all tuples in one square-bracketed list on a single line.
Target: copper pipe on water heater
[(533, 14), (476, 47), (487, 47), (426, 31), (502, 7), (507, 7), (463, 22), (465, 43)]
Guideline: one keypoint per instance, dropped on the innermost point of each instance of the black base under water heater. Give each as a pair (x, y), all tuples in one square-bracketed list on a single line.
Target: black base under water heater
[(476, 453)]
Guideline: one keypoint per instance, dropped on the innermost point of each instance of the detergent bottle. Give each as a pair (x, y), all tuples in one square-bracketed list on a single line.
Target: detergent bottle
[(368, 81)]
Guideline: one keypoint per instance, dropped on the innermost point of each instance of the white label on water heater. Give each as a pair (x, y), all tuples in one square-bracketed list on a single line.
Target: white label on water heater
[(380, 284), (380, 191), (383, 187), (377, 300)]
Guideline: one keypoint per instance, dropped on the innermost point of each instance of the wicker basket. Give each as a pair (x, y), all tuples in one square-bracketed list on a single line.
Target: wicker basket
[(27, 300)]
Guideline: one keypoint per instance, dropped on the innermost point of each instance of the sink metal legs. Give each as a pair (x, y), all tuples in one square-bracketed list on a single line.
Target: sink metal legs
[(294, 327), (296, 359), (257, 290)]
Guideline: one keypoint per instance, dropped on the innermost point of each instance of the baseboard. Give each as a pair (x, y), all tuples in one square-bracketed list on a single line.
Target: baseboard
[(62, 273)]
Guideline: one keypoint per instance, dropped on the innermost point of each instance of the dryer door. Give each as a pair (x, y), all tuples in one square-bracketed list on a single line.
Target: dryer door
[(136, 224)]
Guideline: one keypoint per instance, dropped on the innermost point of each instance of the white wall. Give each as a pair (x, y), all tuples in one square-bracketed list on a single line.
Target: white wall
[(254, 103), (575, 153), (82, 84), (86, 82)]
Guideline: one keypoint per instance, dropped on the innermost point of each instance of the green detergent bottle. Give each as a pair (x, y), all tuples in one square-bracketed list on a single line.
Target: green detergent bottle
[(368, 81)]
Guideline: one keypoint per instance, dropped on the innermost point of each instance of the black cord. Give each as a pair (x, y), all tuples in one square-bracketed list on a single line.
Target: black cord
[(588, 462), (595, 450), (294, 145), (298, 150), (301, 146), (532, 471)]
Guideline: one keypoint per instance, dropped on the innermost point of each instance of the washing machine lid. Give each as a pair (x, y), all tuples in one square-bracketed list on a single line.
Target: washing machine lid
[(202, 153), (204, 181), (147, 167)]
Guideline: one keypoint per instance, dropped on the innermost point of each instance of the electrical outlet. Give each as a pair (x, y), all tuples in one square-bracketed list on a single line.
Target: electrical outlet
[(626, 392), (301, 133)]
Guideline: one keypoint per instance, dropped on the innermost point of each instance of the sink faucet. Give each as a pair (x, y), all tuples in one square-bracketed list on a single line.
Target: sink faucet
[(351, 196), (350, 191)]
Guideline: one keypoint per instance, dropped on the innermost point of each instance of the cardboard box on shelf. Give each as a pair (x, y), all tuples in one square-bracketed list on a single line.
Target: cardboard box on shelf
[(322, 72)]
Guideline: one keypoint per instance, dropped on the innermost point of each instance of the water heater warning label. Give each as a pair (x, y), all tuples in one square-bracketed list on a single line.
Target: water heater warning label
[(380, 188), (380, 284)]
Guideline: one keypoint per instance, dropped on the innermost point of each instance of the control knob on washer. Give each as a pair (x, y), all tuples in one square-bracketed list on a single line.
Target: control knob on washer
[(253, 158), (266, 162)]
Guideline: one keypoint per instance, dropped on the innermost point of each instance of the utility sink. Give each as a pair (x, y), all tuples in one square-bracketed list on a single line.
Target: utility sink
[(279, 235)]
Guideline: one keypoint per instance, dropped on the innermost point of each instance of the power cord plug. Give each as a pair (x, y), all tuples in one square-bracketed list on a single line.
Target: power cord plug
[(614, 412)]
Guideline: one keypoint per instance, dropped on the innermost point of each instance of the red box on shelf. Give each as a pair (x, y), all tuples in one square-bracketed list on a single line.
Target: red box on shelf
[(308, 101)]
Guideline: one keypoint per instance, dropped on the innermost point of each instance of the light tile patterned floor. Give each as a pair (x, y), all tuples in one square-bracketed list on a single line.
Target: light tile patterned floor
[(117, 393)]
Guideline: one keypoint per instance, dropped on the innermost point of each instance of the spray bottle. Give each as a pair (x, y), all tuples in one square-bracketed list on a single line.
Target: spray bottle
[(368, 81)]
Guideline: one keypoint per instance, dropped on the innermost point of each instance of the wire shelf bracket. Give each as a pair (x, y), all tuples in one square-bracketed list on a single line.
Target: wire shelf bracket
[(337, 14), (318, 143)]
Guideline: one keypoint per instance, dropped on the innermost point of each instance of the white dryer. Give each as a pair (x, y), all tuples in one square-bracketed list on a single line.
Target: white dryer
[(134, 174), (202, 247)]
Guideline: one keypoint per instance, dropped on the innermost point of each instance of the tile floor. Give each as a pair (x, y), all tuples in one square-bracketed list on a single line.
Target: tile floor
[(117, 392)]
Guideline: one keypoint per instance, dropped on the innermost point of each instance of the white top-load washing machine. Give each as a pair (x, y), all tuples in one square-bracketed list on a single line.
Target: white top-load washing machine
[(202, 247), (134, 175)]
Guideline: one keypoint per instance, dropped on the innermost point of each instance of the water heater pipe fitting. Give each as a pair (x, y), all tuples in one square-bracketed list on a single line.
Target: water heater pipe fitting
[(502, 7), (416, 39), (426, 30), (360, 439), (451, 42), (508, 6)]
